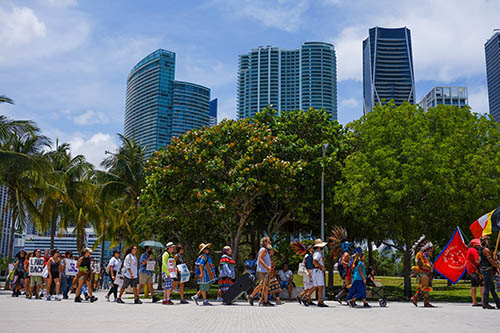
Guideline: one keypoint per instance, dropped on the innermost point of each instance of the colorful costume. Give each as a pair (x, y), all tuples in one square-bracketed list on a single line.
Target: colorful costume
[(227, 274), (274, 286), (209, 275), (422, 270)]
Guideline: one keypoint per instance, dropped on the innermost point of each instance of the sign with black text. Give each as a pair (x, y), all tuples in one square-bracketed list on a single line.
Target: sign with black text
[(36, 266), (70, 267)]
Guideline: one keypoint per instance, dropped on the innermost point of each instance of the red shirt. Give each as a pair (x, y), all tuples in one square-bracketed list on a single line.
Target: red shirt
[(472, 260)]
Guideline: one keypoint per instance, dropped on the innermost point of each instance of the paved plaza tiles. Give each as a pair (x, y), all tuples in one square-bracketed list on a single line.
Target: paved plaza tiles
[(22, 315)]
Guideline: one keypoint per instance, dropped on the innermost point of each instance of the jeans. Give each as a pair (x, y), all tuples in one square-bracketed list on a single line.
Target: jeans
[(489, 286), (66, 283)]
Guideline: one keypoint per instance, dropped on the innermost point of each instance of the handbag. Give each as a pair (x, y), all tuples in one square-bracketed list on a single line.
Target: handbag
[(118, 280), (302, 271)]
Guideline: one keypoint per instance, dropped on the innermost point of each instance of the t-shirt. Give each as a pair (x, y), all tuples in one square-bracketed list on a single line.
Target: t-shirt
[(130, 261), (142, 268), (250, 263), (115, 263), (356, 275), (319, 258), (285, 276), (20, 261), (472, 260), (164, 262)]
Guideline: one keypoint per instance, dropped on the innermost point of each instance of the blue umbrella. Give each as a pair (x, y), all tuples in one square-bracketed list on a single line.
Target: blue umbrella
[(153, 244)]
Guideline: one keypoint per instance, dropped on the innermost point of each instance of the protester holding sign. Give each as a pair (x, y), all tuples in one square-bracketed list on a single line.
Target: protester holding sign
[(147, 265), (113, 268), (54, 269), (68, 272), (178, 282), (35, 269), (83, 276), (169, 272), (130, 278), (27, 287)]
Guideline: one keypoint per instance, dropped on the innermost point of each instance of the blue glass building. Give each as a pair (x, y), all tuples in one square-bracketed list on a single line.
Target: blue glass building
[(288, 79), (213, 112), (387, 67), (492, 52), (157, 107)]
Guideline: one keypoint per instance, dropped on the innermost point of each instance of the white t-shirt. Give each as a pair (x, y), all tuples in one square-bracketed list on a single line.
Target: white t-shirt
[(285, 276), (130, 261), (114, 263), (319, 258)]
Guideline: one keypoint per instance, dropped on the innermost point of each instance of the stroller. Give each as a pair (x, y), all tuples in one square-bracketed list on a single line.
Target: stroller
[(377, 291)]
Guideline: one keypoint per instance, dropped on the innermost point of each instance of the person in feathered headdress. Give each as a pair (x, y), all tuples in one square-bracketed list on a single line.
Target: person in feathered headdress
[(422, 250), (340, 248)]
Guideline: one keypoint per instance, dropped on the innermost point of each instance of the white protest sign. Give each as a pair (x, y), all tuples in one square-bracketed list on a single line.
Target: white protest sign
[(36, 266), (150, 265), (184, 272), (172, 272), (11, 267), (118, 280), (70, 269)]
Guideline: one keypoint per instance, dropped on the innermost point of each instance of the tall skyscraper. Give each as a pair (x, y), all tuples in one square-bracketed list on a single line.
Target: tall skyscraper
[(492, 52), (288, 79), (5, 221), (213, 112), (387, 67), (457, 96), (158, 107)]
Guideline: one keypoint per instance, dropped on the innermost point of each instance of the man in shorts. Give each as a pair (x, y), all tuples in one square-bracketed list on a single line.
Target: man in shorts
[(168, 259), (145, 276), (473, 270), (263, 269), (318, 273)]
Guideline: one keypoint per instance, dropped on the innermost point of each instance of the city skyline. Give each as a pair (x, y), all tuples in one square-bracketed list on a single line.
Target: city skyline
[(65, 62)]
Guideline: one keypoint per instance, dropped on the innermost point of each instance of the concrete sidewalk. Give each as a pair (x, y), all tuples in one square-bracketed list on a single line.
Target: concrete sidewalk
[(20, 314)]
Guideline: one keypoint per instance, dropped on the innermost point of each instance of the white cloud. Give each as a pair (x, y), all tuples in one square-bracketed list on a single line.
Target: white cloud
[(20, 26), (207, 72), (285, 15), (447, 36), (478, 100), (90, 117), (93, 148), (61, 3), (226, 108), (349, 103)]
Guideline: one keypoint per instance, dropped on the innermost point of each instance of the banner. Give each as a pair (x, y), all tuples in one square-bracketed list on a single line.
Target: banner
[(70, 267), (36, 266), (172, 272), (452, 262), (118, 280), (184, 272), (150, 265)]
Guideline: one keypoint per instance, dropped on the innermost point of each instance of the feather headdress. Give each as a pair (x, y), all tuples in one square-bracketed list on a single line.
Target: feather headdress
[(301, 248), (335, 241), (420, 245)]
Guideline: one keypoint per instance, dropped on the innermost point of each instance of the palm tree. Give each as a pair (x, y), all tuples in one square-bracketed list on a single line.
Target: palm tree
[(20, 171), (5, 99)]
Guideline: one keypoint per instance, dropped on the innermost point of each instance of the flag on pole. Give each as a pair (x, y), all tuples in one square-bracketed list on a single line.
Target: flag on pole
[(486, 224), (452, 261)]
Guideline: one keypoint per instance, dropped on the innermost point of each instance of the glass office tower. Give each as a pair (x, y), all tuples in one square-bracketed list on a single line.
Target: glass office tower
[(457, 96), (213, 112), (158, 107), (387, 67), (288, 79), (492, 52)]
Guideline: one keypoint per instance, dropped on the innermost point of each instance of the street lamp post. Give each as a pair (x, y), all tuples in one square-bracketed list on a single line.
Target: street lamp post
[(324, 147)]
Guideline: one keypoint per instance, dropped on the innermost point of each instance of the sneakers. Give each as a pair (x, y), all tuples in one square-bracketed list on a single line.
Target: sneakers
[(137, 301), (195, 299), (119, 300), (107, 298), (298, 299), (488, 307), (219, 299), (414, 301), (93, 299), (322, 305), (78, 299), (338, 299), (206, 303), (250, 301), (183, 301), (267, 304), (351, 303), (57, 298), (48, 298), (65, 297), (305, 302), (366, 305), (155, 299), (429, 305), (311, 303), (167, 302)]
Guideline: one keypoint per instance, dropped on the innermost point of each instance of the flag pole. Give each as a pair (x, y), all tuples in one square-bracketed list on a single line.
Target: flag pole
[(496, 247)]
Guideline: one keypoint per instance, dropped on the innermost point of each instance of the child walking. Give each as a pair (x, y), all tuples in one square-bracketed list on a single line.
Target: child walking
[(358, 287)]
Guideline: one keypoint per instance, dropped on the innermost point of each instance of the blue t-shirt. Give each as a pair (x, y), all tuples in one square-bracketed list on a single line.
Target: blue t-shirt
[(356, 275), (142, 268), (250, 263)]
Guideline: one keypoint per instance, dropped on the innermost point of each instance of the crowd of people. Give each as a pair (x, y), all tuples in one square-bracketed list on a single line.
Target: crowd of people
[(56, 282)]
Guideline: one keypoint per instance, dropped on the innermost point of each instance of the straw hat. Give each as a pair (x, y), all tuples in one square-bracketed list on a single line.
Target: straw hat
[(203, 246), (319, 243)]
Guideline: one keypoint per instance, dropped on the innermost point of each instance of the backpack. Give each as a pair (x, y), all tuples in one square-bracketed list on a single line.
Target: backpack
[(341, 268)]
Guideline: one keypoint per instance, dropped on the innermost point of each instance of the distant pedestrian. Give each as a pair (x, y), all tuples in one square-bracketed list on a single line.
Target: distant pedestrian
[(54, 270), (422, 250), (305, 296), (113, 267), (358, 288), (179, 260), (205, 270), (168, 266), (473, 270), (227, 272), (84, 275), (263, 269), (318, 273), (66, 280), (27, 284), (145, 275), (488, 268), (18, 282), (130, 277), (250, 264), (36, 282)]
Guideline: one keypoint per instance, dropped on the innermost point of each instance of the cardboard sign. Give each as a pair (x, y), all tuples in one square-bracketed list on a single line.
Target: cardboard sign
[(184, 272), (70, 268), (118, 280), (150, 265), (172, 272), (36, 266)]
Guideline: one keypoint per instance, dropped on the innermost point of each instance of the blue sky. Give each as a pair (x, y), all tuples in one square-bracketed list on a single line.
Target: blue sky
[(65, 62)]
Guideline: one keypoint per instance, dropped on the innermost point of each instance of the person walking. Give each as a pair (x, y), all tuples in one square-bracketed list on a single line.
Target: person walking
[(145, 275), (54, 270), (36, 282), (27, 285), (318, 273), (66, 280), (130, 277), (422, 250), (227, 272), (177, 281), (205, 270), (18, 282), (168, 266), (473, 270), (345, 271), (84, 275), (263, 269), (286, 280), (113, 267), (488, 266), (305, 296), (358, 288)]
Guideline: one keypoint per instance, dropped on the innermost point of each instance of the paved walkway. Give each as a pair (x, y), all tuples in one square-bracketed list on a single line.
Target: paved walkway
[(22, 315)]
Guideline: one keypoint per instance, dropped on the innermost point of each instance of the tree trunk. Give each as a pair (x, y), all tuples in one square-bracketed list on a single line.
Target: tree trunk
[(103, 241), (11, 240), (53, 223), (370, 252), (407, 268), (330, 273), (237, 237)]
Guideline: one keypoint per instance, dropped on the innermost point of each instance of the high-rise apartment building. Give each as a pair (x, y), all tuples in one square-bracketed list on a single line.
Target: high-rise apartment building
[(492, 52), (158, 107), (5, 221), (457, 96), (387, 67), (213, 112), (288, 79)]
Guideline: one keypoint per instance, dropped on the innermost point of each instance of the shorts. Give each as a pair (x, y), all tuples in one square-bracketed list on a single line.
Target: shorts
[(318, 278), (204, 286), (36, 280), (130, 282), (262, 279), (145, 278), (284, 284), (83, 276), (55, 275), (168, 283), (308, 282), (475, 280)]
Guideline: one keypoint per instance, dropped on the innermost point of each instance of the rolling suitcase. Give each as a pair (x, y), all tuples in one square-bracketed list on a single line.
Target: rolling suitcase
[(244, 284)]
